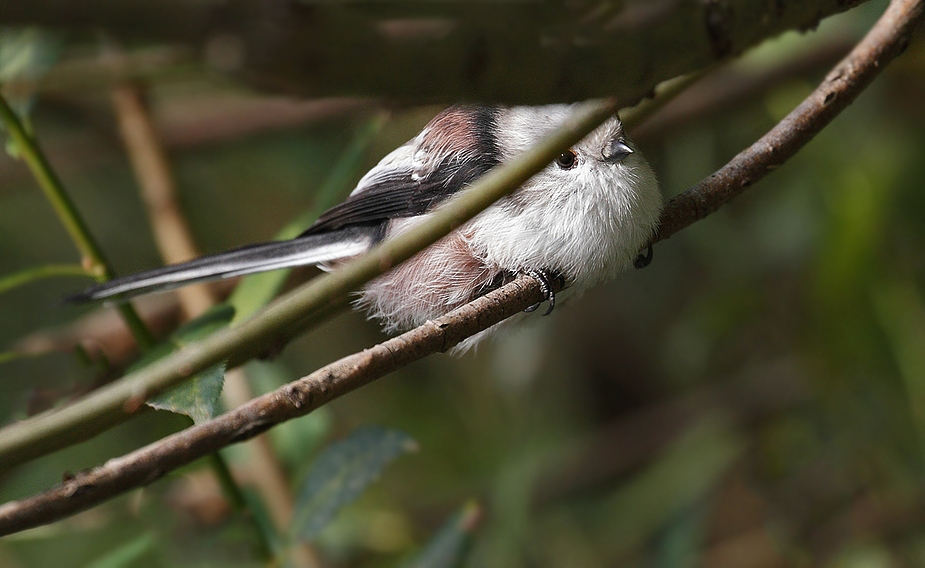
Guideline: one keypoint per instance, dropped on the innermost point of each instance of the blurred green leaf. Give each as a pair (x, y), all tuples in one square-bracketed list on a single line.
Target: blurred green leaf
[(8, 356), (681, 542), (341, 474), (208, 323), (866, 555), (901, 310), (200, 397), (256, 290), (25, 54), (684, 474), (34, 273), (449, 545), (128, 554)]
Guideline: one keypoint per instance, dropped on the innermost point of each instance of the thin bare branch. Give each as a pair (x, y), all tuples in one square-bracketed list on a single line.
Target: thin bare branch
[(290, 314), (883, 43), (296, 399), (172, 233), (887, 39)]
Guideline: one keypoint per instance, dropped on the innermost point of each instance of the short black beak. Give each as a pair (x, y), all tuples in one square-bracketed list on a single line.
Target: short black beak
[(616, 151)]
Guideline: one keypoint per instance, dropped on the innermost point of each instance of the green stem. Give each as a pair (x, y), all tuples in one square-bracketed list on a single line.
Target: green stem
[(34, 273), (273, 325), (95, 261)]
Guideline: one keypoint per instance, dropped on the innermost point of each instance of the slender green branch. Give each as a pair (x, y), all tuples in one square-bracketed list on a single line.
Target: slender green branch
[(113, 403), (95, 261), (34, 273)]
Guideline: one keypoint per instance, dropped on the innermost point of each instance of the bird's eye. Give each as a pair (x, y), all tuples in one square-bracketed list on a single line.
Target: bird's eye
[(567, 160)]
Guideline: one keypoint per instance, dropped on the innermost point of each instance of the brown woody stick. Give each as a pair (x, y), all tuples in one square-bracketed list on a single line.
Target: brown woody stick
[(885, 41)]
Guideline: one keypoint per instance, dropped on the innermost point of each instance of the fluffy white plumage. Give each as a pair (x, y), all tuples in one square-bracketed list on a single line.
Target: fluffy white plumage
[(585, 218), (586, 223)]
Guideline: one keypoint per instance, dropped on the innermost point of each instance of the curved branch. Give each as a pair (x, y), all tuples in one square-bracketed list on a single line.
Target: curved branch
[(883, 43), (298, 398), (67, 213), (887, 39), (291, 313)]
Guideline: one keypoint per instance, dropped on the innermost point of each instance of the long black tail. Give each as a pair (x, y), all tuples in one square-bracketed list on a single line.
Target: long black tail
[(302, 251)]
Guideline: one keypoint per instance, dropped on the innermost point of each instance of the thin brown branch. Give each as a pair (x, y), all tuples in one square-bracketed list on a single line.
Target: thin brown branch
[(886, 40), (172, 234), (83, 73), (296, 399), (739, 83), (175, 240)]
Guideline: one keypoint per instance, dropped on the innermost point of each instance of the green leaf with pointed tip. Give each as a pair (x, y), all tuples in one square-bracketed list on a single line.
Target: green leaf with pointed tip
[(448, 548), (341, 474), (199, 397), (35, 273)]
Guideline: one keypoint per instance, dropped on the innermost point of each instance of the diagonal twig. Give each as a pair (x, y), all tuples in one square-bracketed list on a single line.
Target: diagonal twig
[(93, 258), (290, 314), (884, 42), (298, 398), (887, 39)]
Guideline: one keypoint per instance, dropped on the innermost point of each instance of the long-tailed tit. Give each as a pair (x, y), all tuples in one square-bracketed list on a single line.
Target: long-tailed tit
[(584, 218)]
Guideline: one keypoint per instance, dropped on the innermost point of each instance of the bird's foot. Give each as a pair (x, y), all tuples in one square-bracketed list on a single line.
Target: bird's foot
[(545, 279), (643, 260)]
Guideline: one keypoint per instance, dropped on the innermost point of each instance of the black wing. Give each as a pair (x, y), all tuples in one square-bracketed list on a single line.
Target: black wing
[(400, 195), (459, 141)]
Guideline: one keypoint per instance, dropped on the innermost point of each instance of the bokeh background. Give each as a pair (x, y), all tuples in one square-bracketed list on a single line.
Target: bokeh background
[(754, 398)]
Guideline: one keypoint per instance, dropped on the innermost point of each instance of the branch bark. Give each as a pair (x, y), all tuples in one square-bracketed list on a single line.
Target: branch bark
[(172, 234), (298, 398), (289, 315), (525, 52), (884, 42)]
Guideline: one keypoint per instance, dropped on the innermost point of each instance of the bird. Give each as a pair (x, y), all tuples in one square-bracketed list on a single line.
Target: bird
[(583, 219)]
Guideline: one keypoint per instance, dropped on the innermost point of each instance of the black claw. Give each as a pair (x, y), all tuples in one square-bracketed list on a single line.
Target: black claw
[(643, 260), (543, 279)]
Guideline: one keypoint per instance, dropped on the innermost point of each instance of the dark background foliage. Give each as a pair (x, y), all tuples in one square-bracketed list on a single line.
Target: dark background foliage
[(754, 398)]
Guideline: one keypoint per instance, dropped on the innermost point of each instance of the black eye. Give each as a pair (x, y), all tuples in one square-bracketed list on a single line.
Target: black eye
[(567, 160)]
